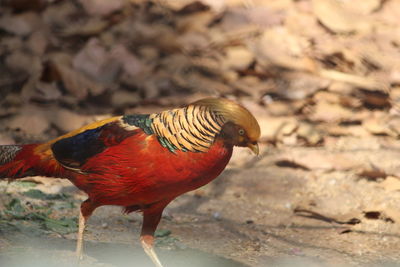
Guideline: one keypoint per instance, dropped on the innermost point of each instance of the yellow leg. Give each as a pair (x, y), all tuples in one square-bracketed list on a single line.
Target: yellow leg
[(79, 241), (86, 210), (151, 218), (147, 244)]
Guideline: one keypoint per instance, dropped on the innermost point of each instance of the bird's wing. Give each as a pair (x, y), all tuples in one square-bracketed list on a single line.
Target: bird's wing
[(72, 151)]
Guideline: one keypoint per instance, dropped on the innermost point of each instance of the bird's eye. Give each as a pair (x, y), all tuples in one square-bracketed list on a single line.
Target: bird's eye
[(241, 132)]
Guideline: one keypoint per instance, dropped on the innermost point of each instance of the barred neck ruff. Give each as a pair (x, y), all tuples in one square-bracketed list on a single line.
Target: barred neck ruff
[(192, 128)]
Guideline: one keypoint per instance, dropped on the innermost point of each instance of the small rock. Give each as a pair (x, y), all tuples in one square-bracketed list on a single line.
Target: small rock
[(217, 215)]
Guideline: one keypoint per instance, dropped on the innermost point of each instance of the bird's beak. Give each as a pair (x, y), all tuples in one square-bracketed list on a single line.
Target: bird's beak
[(254, 148)]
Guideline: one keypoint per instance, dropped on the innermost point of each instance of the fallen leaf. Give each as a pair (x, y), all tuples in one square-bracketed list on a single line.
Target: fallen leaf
[(390, 183), (277, 46), (378, 124), (334, 15), (96, 62), (22, 24), (121, 99), (66, 120), (130, 64), (31, 120), (362, 6), (318, 159), (328, 112), (238, 58), (102, 7), (309, 133), (37, 42), (76, 83)]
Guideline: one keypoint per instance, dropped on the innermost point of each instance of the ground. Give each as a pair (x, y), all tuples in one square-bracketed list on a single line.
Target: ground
[(259, 212), (321, 76)]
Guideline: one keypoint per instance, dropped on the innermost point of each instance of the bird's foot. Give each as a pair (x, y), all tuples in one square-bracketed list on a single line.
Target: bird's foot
[(147, 244)]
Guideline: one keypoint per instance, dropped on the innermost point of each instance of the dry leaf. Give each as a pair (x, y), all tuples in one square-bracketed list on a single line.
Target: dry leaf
[(300, 85), (102, 7), (92, 26), (96, 62), (76, 83), (333, 15), (22, 24), (123, 99), (278, 46), (130, 64), (66, 120), (31, 121), (274, 129), (378, 126), (391, 183), (238, 58), (46, 92), (328, 112), (309, 133), (362, 6), (322, 160)]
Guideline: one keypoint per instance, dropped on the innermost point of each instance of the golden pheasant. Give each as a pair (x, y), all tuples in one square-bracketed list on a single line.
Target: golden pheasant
[(140, 162)]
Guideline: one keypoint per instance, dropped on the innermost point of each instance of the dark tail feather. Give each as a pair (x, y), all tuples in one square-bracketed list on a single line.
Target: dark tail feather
[(8, 153), (10, 165), (17, 161)]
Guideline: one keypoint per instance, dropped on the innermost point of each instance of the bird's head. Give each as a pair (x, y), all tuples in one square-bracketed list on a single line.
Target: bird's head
[(240, 128)]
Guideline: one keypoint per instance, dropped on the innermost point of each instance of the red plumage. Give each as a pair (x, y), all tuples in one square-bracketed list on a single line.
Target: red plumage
[(140, 162), (139, 172)]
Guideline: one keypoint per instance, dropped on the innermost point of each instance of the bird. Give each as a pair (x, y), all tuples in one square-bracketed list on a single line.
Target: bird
[(140, 162)]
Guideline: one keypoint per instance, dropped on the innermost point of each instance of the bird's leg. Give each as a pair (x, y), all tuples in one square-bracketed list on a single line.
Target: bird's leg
[(151, 218), (147, 244), (85, 211), (79, 241)]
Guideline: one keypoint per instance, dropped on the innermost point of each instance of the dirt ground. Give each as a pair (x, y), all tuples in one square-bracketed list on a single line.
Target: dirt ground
[(259, 212), (322, 77)]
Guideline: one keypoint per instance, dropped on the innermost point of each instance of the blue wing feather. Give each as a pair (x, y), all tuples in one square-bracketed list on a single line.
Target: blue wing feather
[(74, 151)]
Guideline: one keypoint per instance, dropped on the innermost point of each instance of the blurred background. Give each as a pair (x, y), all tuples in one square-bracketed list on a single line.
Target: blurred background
[(321, 76)]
